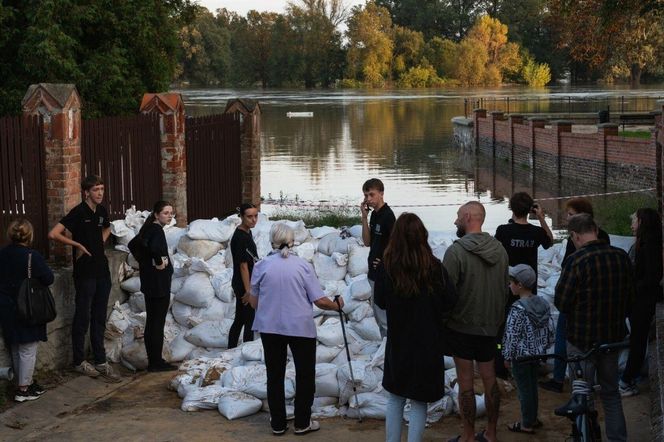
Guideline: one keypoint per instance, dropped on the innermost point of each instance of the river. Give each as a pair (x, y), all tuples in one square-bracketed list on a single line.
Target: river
[(403, 137)]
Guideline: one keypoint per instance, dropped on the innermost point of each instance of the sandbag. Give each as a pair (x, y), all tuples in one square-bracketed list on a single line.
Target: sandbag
[(212, 266), (132, 285), (367, 329), (213, 229), (320, 232), (235, 404), (301, 234), (203, 398), (200, 248), (326, 354), (221, 283), (367, 379), (176, 284), (327, 268), (363, 310), (253, 351), (305, 251), (173, 235), (329, 333), (196, 291), (360, 289), (180, 263), (179, 348), (137, 302), (369, 405), (210, 334), (326, 380), (358, 260)]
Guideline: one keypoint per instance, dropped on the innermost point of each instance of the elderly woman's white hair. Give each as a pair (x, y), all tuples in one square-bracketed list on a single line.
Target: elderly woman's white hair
[(282, 237)]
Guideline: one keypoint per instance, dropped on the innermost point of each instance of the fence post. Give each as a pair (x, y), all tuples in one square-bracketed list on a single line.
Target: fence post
[(60, 107), (604, 130), (250, 147), (477, 114), (170, 108)]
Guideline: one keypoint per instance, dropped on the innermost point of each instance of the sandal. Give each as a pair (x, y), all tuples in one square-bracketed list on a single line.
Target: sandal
[(517, 428)]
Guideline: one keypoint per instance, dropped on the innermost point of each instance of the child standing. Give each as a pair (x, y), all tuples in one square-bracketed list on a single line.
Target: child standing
[(528, 331)]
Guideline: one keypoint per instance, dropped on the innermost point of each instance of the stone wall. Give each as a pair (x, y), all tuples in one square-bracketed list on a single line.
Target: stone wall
[(56, 353)]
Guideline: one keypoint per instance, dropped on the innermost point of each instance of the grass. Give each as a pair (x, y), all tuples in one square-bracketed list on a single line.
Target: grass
[(338, 216), (612, 213), (643, 134)]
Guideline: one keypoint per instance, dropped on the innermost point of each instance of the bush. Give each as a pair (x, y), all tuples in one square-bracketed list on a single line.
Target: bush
[(536, 74), (420, 76)]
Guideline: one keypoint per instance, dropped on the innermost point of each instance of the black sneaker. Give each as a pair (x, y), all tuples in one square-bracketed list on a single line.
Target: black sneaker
[(36, 389), (551, 385), (27, 395), (162, 366)]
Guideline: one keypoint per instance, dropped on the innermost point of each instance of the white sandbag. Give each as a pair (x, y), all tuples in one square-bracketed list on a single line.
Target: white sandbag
[(448, 362), (131, 261), (210, 334), (326, 380), (176, 284), (253, 351), (215, 371), (181, 313), (369, 405), (113, 346), (173, 235), (180, 348), (367, 379), (327, 268), (320, 232), (360, 289), (221, 283), (367, 329), (213, 229), (187, 384), (216, 311), (119, 228), (329, 333), (324, 412), (118, 320), (363, 310), (436, 410), (212, 266), (358, 260), (132, 285), (356, 231), (305, 251), (235, 404), (324, 401), (439, 251), (200, 248), (134, 355), (378, 358), (203, 398), (340, 258), (196, 291), (180, 263), (333, 288), (325, 354), (137, 302)]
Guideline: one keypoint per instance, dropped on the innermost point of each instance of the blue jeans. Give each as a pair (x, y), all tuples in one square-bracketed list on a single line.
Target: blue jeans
[(525, 376), (394, 418), (606, 368), (560, 348)]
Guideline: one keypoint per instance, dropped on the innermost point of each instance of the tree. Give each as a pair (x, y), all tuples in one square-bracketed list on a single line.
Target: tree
[(369, 44), (408, 47), (113, 51), (536, 74), (443, 55)]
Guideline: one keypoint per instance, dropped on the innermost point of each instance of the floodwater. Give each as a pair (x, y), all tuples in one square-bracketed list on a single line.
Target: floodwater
[(403, 137)]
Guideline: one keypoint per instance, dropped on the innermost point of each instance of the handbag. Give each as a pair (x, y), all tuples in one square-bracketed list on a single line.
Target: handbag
[(35, 304), (138, 247)]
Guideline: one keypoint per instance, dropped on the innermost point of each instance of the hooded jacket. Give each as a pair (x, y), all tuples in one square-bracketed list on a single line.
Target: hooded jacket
[(529, 330), (477, 265)]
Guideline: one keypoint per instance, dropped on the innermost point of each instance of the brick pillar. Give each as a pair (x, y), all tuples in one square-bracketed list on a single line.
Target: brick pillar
[(60, 107), (170, 108), (604, 130), (513, 119), (534, 123), (250, 149), (560, 126), (477, 114)]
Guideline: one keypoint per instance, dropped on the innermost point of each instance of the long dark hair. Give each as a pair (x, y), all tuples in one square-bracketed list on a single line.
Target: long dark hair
[(242, 208), (158, 207), (650, 227), (408, 258)]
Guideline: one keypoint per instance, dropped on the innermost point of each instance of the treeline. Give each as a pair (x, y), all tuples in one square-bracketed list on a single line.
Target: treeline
[(425, 43)]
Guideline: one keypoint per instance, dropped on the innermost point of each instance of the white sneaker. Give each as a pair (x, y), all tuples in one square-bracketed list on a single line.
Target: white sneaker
[(313, 426), (87, 369), (108, 372), (627, 390)]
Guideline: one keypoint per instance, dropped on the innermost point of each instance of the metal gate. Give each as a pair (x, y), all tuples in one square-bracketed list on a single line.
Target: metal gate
[(214, 185)]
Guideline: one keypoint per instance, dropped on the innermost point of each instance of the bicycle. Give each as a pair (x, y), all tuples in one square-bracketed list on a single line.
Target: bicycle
[(580, 409)]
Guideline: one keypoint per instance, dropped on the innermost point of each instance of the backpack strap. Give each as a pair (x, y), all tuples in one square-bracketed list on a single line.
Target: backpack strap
[(30, 265)]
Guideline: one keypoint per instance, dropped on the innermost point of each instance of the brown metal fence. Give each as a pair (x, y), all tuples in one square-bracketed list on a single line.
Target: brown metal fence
[(22, 177), (126, 153), (214, 186)]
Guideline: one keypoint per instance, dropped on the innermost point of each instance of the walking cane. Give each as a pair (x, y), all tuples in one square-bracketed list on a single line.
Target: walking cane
[(350, 366)]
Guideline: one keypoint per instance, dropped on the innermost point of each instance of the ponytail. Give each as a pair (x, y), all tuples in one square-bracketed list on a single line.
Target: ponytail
[(158, 207)]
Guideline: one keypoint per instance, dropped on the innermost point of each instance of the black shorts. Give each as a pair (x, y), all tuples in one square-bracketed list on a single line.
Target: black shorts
[(470, 347)]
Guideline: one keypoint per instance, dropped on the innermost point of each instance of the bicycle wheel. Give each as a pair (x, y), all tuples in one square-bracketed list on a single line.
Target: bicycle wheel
[(587, 428)]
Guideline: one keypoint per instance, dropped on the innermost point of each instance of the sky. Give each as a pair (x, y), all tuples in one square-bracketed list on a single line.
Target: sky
[(244, 6)]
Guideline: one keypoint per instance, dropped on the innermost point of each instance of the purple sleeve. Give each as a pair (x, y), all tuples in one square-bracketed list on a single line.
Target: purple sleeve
[(311, 283), (256, 277)]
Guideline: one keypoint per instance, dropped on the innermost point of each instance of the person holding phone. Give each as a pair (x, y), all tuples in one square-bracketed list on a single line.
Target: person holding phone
[(376, 234), (156, 271)]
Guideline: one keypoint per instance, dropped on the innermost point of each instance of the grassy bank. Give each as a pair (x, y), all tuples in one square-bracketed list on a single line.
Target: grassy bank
[(642, 134), (338, 216), (612, 212)]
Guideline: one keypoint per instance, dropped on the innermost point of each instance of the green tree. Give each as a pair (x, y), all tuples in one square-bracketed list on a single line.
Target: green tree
[(443, 55), (535, 74), (369, 44), (113, 51), (408, 47)]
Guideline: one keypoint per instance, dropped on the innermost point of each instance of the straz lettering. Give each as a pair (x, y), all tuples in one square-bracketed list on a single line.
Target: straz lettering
[(522, 243)]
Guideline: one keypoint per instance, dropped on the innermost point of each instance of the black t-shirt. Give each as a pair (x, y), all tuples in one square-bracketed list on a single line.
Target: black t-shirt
[(571, 248), (521, 242), (154, 282), (380, 226), (240, 243), (86, 227)]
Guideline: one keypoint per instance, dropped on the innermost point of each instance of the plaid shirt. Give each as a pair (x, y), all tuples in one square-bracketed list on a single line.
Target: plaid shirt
[(594, 291)]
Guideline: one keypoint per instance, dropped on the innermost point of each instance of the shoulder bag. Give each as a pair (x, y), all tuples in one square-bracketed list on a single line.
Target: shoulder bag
[(35, 303)]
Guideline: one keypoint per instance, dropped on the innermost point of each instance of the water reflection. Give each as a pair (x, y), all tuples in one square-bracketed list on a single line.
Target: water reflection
[(402, 137)]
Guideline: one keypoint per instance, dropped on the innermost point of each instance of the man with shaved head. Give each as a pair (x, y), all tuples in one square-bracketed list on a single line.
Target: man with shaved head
[(477, 264)]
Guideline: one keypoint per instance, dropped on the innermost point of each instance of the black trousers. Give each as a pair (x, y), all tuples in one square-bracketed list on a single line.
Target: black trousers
[(156, 309), (90, 309), (244, 317), (304, 357), (639, 319)]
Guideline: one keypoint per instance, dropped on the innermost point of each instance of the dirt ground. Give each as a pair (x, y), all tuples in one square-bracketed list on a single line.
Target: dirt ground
[(143, 409)]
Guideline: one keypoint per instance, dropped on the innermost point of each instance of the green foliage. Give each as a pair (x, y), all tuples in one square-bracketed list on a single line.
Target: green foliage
[(113, 51), (642, 134), (345, 216), (419, 77), (536, 74), (613, 212), (443, 55)]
